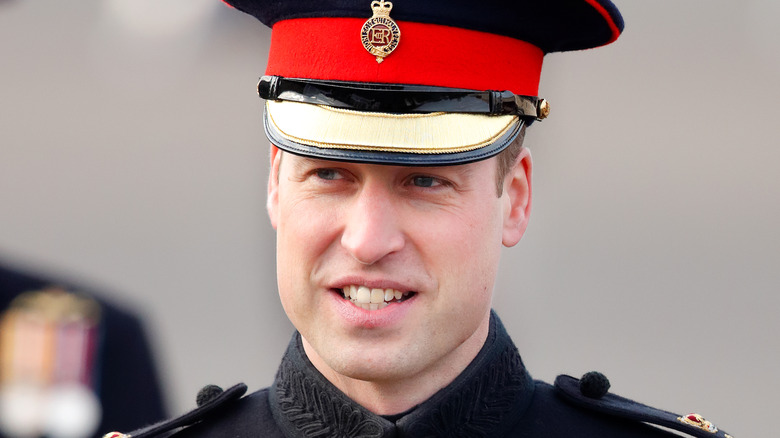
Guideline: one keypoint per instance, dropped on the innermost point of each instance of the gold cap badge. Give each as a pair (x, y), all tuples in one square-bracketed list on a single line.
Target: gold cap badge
[(380, 34)]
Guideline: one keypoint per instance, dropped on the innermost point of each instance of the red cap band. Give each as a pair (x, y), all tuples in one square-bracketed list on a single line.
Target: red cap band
[(427, 54)]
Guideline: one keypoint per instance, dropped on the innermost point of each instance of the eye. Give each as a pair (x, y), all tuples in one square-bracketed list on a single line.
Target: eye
[(328, 174), (425, 181)]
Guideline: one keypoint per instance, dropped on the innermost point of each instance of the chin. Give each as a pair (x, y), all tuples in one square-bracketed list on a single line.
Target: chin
[(368, 373), (378, 365)]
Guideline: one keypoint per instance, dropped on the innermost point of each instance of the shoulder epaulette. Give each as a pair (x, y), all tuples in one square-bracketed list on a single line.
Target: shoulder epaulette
[(211, 399), (591, 392)]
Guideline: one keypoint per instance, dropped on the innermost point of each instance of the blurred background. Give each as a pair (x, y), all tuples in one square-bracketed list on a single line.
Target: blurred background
[(132, 158)]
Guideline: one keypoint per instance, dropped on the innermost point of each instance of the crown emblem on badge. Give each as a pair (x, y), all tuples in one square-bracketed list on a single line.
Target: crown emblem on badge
[(380, 34)]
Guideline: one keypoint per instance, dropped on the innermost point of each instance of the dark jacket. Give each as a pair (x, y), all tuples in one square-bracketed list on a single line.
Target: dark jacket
[(494, 397)]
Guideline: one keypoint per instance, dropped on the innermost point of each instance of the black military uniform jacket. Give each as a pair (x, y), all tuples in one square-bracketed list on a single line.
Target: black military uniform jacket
[(494, 397)]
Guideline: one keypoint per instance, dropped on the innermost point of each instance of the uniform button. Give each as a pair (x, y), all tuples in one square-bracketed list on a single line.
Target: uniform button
[(594, 384), (207, 394)]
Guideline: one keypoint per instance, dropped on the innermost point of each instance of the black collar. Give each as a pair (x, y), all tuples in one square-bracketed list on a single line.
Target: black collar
[(485, 400)]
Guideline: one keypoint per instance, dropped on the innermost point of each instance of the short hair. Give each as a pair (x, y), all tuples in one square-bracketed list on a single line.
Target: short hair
[(506, 160)]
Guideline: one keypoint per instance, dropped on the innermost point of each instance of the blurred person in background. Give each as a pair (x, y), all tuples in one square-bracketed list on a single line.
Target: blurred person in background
[(71, 363)]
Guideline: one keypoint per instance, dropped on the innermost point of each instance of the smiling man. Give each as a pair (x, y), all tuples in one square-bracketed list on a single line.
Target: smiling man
[(387, 271), (398, 173)]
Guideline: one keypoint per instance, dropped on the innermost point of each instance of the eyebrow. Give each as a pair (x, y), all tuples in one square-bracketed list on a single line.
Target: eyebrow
[(301, 163), (464, 171)]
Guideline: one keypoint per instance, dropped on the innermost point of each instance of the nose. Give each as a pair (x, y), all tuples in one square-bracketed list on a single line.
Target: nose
[(372, 230)]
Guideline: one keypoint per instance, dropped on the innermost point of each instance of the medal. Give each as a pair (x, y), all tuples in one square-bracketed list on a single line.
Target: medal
[(48, 343)]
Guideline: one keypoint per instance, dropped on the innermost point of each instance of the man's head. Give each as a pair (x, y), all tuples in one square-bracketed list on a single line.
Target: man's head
[(421, 243), (403, 173)]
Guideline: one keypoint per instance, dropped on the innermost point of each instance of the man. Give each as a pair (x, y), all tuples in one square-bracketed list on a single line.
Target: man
[(396, 178)]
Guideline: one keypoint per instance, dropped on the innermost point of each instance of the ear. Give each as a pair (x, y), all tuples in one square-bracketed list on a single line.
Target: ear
[(272, 204), (517, 207)]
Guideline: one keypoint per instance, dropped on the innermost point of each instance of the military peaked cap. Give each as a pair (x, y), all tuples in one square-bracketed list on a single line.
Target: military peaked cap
[(410, 82)]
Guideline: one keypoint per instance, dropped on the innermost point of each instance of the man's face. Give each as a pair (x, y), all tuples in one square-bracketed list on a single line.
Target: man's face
[(424, 242)]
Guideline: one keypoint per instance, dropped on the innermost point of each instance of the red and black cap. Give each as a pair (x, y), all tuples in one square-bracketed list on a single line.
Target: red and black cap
[(412, 82)]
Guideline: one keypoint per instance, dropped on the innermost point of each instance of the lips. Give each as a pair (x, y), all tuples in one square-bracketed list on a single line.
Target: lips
[(373, 298)]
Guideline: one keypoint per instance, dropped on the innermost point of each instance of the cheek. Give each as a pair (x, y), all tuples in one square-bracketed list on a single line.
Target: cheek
[(305, 224), (305, 233), (464, 245), (477, 230), (298, 239)]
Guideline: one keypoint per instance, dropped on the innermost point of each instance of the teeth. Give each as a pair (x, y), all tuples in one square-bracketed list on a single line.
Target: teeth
[(377, 296), (363, 295), (372, 306), (371, 299)]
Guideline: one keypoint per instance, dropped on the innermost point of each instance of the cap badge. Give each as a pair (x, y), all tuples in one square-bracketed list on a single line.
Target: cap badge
[(380, 34), (698, 421)]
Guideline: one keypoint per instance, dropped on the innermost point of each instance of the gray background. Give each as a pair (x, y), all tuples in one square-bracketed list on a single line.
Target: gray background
[(132, 158)]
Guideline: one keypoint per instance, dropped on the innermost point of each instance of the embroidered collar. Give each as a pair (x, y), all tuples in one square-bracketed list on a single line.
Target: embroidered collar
[(483, 401)]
